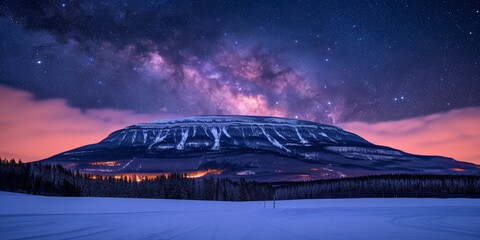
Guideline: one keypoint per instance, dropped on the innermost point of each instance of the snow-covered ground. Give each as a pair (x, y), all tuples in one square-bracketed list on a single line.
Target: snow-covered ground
[(38, 217)]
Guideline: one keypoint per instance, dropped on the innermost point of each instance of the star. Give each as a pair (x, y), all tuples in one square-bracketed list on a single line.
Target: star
[(197, 63)]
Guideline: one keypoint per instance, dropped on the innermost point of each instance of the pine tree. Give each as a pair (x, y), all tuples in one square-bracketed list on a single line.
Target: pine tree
[(243, 195)]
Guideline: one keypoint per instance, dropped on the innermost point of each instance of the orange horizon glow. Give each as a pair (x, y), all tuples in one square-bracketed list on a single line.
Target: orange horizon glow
[(32, 129), (138, 177)]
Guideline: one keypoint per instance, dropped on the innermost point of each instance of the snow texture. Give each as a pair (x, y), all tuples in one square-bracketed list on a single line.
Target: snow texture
[(257, 144), (219, 125), (38, 217)]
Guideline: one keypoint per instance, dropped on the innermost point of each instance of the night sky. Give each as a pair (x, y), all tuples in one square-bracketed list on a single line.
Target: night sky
[(336, 62)]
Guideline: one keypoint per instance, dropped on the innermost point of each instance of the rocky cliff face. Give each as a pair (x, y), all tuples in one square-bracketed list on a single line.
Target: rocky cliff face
[(261, 148)]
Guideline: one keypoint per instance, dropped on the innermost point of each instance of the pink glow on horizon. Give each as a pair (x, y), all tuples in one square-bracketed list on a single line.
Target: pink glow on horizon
[(36, 129), (454, 134), (32, 130)]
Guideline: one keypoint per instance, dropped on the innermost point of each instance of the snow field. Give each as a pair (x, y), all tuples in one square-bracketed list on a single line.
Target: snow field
[(38, 217)]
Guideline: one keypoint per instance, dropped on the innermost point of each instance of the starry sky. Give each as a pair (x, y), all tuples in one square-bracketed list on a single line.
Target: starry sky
[(355, 64)]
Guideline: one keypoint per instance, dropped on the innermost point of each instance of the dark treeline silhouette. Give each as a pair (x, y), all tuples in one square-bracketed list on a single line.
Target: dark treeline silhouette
[(54, 180), (384, 186)]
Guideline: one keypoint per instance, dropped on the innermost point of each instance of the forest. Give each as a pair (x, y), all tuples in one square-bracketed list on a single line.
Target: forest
[(54, 180)]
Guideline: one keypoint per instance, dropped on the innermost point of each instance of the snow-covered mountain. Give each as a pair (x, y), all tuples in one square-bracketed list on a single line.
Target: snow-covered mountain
[(260, 148)]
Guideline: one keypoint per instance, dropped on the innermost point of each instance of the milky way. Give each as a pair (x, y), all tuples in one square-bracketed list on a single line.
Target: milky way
[(328, 61)]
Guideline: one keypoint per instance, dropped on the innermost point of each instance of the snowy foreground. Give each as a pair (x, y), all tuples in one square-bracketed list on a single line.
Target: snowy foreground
[(37, 217)]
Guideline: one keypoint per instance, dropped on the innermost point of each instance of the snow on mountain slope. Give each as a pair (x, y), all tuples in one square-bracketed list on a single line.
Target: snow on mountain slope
[(39, 217), (267, 148), (215, 132)]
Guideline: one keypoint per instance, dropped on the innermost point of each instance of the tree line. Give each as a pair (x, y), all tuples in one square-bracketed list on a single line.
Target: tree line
[(384, 186), (55, 180)]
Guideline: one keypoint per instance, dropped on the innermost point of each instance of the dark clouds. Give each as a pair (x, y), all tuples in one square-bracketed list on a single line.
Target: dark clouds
[(326, 61)]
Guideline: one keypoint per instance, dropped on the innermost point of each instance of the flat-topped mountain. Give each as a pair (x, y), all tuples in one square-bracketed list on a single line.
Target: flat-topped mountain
[(260, 148)]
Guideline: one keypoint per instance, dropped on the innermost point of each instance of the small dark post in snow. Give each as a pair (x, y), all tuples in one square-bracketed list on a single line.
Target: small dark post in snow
[(273, 201)]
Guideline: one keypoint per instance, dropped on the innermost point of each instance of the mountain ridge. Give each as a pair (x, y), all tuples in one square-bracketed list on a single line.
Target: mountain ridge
[(259, 148)]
